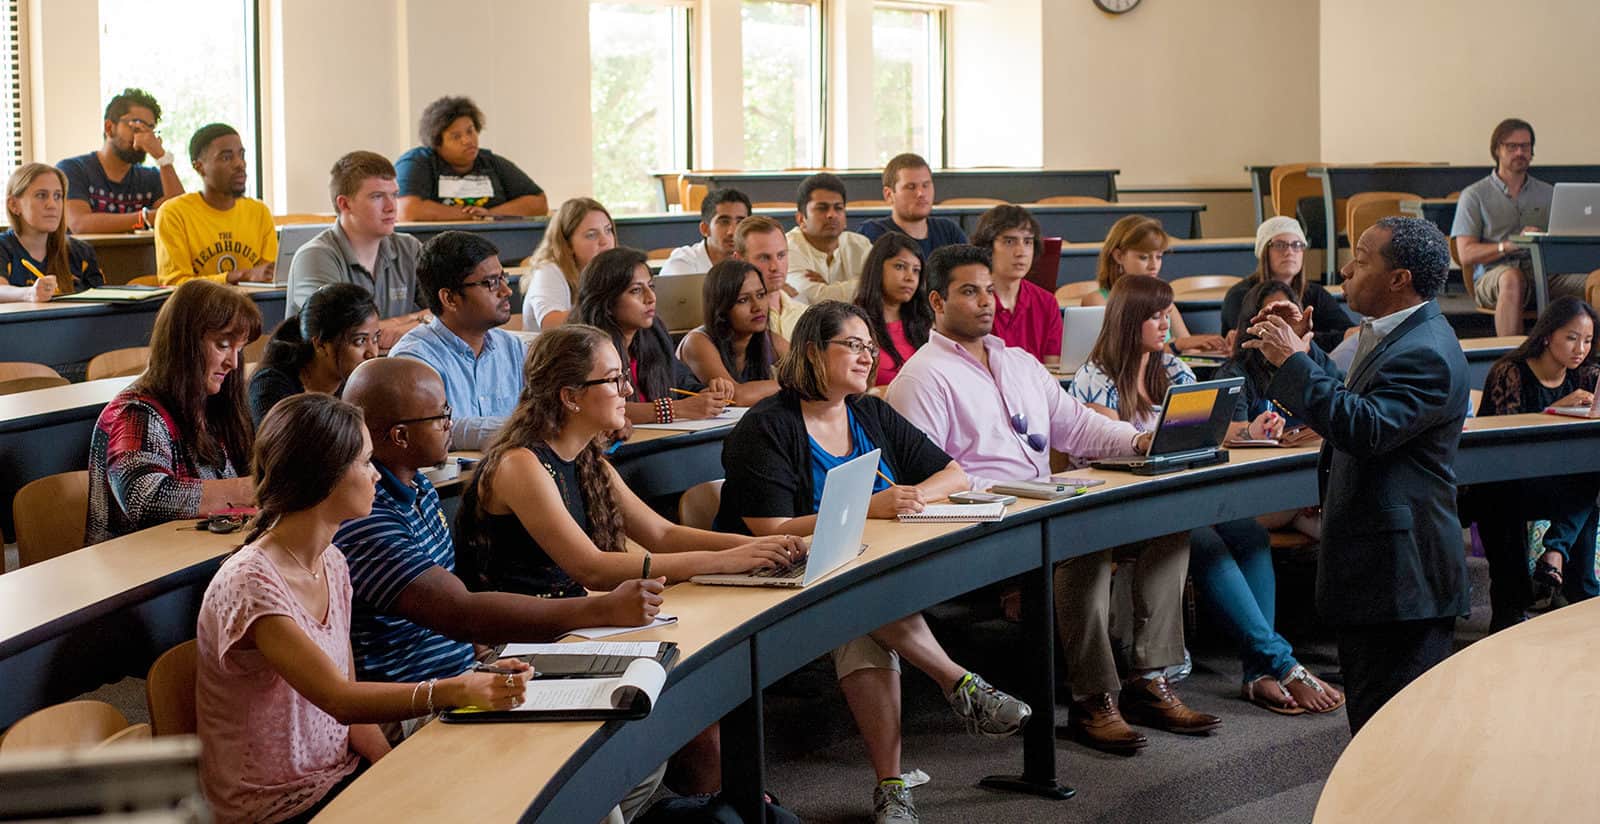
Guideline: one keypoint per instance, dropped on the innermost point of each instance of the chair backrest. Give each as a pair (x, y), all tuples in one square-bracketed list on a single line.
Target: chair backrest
[(73, 725), (1363, 209), (118, 362), (772, 204), (256, 348), (1069, 200), (698, 506), (669, 187), (865, 204), (694, 194), (661, 253), (1290, 183), (973, 201), (10, 370), (169, 690), (128, 734), (50, 514), (1072, 293), (145, 280), (15, 385), (1195, 283), (301, 218)]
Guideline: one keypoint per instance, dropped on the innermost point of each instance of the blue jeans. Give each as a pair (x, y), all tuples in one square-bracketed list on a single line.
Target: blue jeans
[(1231, 564)]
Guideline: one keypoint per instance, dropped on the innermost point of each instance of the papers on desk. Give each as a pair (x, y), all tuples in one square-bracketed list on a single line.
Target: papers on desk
[(630, 695), (955, 514), (257, 284), (115, 294), (636, 649), (1592, 411), (729, 417)]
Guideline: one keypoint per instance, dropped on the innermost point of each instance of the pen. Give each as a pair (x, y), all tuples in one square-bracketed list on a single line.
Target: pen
[(493, 670), (645, 574)]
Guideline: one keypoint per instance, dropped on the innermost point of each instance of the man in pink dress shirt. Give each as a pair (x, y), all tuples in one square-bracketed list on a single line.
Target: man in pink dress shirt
[(998, 412)]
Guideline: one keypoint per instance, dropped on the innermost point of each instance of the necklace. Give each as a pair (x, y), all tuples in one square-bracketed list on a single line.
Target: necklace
[(315, 576)]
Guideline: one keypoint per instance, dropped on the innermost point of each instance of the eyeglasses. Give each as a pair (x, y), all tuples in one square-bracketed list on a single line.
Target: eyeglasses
[(136, 122), (443, 416), (857, 346), (492, 284), (1035, 441), (621, 382), (1287, 246), (1517, 147)]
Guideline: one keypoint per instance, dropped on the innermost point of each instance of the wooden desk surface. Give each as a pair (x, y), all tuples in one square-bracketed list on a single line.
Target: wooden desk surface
[(22, 405), (1505, 342), (1503, 730)]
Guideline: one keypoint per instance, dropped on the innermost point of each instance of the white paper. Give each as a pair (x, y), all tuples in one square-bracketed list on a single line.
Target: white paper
[(956, 513), (643, 676), (662, 619), (1576, 411), (638, 649), (729, 417)]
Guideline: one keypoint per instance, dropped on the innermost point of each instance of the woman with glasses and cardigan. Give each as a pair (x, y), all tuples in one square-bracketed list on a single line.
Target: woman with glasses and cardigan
[(1128, 373), (1280, 257)]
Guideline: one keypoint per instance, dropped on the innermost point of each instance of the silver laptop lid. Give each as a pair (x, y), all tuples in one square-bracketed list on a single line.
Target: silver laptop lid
[(1080, 327), (680, 301), (1575, 209), (842, 515)]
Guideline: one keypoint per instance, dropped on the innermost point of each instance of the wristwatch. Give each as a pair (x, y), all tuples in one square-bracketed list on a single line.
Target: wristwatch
[(165, 160)]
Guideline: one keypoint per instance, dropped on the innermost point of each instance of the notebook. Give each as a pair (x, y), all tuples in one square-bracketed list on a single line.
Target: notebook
[(126, 293), (955, 514), (589, 659), (630, 695), (841, 518), (1590, 411), (1193, 422)]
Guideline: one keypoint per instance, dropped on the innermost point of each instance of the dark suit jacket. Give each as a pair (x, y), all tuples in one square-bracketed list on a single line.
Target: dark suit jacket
[(1391, 541)]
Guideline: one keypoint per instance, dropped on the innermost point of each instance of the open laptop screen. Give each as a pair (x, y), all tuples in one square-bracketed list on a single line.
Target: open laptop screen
[(1195, 416)]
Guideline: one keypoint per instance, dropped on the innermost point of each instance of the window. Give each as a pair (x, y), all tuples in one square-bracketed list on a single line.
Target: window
[(908, 81), (638, 99), (783, 95), (11, 85), (210, 77)]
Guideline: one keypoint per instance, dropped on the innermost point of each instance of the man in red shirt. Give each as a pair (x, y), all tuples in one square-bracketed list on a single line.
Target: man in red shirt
[(1025, 315)]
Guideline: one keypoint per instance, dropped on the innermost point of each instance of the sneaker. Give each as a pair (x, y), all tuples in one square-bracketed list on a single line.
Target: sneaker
[(987, 710), (891, 803)]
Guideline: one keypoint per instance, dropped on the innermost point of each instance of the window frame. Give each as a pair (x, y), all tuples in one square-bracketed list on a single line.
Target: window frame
[(685, 52), (819, 47), (939, 58)]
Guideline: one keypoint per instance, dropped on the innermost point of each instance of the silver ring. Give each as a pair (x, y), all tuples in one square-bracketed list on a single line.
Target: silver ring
[(509, 678)]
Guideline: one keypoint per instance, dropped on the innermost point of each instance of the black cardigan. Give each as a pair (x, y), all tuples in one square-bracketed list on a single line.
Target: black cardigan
[(1329, 315), (767, 458)]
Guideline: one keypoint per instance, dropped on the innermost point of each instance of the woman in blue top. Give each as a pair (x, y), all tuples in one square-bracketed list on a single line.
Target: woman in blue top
[(1127, 377), (776, 461), (40, 261)]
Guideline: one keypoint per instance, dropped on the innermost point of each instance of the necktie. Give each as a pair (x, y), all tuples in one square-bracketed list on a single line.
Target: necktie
[(1365, 343)]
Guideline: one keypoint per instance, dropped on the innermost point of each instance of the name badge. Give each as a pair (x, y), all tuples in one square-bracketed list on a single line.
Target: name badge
[(468, 190)]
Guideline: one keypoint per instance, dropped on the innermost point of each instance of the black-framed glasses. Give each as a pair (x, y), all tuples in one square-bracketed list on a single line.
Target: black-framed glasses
[(1287, 246), (1035, 441), (857, 346), (443, 416), (492, 284), (621, 382)]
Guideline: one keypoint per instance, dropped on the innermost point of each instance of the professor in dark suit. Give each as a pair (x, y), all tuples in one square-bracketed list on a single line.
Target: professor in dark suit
[(1392, 577)]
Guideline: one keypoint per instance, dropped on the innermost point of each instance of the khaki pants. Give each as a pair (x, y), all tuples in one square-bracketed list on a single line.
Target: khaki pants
[(862, 653), (1083, 608), (1486, 289)]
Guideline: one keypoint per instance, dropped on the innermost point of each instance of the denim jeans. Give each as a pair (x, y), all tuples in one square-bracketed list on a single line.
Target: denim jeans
[(1231, 564)]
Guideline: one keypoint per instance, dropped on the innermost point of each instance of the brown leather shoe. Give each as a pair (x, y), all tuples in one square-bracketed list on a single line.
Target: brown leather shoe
[(1152, 703), (1096, 722)]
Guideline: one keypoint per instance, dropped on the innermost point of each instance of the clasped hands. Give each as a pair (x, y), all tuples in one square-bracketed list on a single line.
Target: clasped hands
[(1281, 329)]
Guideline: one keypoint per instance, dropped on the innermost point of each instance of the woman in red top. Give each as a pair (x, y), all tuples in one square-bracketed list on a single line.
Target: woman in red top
[(895, 298)]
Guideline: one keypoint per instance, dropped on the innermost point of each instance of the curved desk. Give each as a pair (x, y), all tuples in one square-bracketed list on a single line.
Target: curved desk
[(1501, 731), (736, 641)]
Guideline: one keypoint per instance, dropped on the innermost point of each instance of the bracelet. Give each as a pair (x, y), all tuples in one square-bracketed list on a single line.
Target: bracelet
[(413, 705), (663, 410), (1500, 247), (431, 682)]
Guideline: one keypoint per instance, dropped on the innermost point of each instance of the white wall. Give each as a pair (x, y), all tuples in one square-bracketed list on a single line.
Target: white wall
[(64, 78), (1458, 68), (996, 80), (1179, 91)]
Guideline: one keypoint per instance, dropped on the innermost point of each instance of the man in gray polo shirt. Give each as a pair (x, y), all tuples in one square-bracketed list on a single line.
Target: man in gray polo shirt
[(362, 247), (1506, 203)]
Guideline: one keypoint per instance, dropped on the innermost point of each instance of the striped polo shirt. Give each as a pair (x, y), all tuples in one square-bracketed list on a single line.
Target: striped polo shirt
[(406, 535)]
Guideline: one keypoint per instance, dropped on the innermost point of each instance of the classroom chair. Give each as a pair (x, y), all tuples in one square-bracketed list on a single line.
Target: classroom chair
[(662, 253), (73, 725), (1071, 200), (301, 218), (49, 515), (973, 201), (1290, 183), (697, 507), (15, 385), (865, 204), (1196, 283), (1591, 287), (118, 363), (145, 280), (169, 690), (130, 734), (11, 370), (772, 204), (1072, 293), (1363, 209), (694, 194), (669, 187)]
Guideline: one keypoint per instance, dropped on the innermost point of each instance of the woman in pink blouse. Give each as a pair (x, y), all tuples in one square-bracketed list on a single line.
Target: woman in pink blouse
[(283, 727), (895, 298)]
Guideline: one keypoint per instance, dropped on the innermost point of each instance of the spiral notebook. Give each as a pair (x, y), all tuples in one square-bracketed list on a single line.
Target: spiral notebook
[(955, 514)]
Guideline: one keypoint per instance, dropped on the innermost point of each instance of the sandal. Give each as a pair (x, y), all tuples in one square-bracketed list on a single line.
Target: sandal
[(1304, 676), (1547, 574), (1256, 692)]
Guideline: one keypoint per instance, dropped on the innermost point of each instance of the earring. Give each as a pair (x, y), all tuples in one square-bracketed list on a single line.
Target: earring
[(572, 407)]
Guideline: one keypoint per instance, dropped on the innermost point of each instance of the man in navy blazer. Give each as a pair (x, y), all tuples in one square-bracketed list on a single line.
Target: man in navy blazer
[(1392, 574)]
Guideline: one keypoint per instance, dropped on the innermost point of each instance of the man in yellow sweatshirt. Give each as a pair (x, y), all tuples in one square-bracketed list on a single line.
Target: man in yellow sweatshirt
[(216, 233)]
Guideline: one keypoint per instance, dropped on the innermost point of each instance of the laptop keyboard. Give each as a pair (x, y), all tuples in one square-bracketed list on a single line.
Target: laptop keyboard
[(781, 573)]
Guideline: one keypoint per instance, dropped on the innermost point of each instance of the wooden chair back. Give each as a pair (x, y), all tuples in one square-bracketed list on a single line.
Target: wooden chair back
[(118, 362), (1072, 293), (129, 734), (669, 187), (254, 350), (50, 515), (1196, 283), (11, 370), (15, 385), (1363, 209), (169, 690), (73, 725), (145, 280), (698, 505), (301, 218), (1072, 200), (694, 194), (661, 253), (772, 204), (973, 201), (1293, 181), (865, 204)]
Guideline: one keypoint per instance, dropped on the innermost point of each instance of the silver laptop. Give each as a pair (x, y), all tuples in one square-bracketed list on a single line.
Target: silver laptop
[(841, 519), (680, 301), (1575, 209), (1194, 420), (1080, 328)]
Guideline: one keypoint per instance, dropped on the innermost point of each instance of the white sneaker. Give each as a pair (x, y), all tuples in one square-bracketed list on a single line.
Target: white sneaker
[(891, 804)]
